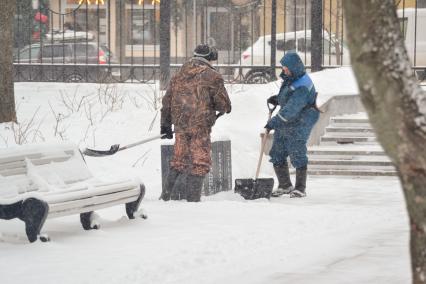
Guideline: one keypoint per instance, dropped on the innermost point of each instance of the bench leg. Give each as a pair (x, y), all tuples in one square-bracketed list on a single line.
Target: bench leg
[(34, 213), (10, 211), (87, 221), (132, 207)]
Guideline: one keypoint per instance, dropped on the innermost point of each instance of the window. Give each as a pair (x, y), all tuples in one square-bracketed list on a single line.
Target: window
[(298, 15), (80, 50), (55, 51), (29, 53), (304, 45), (403, 22), (91, 18), (219, 27), (142, 26), (289, 44)]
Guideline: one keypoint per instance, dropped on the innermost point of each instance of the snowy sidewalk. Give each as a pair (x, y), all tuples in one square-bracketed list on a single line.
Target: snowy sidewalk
[(345, 231)]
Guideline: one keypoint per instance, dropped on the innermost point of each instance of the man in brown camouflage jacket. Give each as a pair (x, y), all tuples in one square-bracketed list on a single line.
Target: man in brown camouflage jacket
[(195, 97)]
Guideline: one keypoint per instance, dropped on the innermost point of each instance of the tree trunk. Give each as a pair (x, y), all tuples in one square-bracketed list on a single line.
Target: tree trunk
[(7, 99), (395, 104)]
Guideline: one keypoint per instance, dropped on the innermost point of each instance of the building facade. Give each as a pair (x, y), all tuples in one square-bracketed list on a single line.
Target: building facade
[(130, 28)]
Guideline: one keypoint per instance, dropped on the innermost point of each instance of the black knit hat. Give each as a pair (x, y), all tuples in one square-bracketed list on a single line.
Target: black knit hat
[(206, 52)]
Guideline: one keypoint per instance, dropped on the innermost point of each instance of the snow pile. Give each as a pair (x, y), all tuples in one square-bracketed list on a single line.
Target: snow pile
[(339, 81), (345, 231)]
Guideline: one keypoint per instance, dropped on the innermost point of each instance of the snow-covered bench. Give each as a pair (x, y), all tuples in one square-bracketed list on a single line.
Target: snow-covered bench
[(52, 180)]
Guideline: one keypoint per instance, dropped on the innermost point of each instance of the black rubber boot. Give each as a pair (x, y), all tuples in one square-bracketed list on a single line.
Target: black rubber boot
[(179, 188), (284, 183), (170, 182), (300, 189), (194, 186)]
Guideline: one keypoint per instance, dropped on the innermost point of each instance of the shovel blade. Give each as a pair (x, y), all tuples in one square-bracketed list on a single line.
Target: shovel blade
[(99, 153), (254, 188)]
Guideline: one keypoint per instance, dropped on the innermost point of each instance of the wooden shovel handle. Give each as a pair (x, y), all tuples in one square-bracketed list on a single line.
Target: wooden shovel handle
[(262, 148)]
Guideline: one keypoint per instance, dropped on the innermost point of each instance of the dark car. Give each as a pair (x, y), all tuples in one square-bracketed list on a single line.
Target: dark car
[(64, 61)]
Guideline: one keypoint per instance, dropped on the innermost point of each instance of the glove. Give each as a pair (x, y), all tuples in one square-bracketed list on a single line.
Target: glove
[(268, 126), (167, 130), (219, 115), (273, 100)]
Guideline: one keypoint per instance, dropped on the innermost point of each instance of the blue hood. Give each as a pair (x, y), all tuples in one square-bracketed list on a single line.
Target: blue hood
[(293, 62)]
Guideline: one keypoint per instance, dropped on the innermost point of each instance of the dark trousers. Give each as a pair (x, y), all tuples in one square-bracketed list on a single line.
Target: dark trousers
[(192, 152)]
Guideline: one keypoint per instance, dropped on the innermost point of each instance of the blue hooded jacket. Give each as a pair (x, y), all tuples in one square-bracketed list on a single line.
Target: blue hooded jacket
[(296, 97)]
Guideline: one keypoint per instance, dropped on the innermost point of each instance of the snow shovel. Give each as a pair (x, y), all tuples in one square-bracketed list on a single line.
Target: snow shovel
[(116, 147), (258, 187)]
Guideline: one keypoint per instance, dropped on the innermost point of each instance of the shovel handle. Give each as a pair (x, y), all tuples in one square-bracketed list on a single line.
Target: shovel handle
[(140, 142), (262, 147)]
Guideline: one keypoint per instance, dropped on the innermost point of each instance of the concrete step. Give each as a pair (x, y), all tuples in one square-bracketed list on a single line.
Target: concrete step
[(349, 134), (379, 158), (352, 167), (338, 162), (348, 139), (354, 115), (349, 128), (361, 144), (349, 120), (350, 125), (349, 148), (346, 151), (336, 172)]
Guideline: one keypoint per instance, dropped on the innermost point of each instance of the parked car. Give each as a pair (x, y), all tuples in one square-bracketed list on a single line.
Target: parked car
[(415, 39), (66, 55), (259, 54)]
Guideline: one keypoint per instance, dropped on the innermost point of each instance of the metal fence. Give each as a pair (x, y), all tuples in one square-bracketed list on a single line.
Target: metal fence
[(119, 40)]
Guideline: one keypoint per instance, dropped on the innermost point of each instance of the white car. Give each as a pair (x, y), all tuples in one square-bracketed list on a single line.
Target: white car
[(259, 54), (412, 21)]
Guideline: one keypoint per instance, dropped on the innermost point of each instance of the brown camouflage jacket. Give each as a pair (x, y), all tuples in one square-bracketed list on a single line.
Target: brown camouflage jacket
[(194, 96)]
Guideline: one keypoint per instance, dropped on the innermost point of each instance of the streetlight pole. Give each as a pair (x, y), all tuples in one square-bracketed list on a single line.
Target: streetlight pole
[(164, 44), (194, 22), (273, 38), (316, 30)]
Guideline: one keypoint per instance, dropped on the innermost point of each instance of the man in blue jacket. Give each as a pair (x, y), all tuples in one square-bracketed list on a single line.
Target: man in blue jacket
[(292, 124)]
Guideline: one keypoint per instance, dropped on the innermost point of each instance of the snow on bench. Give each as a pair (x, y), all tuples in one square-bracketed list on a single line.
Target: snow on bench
[(52, 180)]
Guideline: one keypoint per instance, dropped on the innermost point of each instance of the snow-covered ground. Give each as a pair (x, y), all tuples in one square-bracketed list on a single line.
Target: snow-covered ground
[(345, 231)]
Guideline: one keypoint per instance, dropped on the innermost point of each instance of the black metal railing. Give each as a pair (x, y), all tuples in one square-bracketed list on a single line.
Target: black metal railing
[(119, 40)]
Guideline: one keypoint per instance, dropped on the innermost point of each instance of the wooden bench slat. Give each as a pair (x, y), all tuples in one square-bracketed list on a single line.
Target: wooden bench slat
[(36, 161), (89, 208), (12, 165), (5, 159), (132, 195), (13, 172), (15, 185), (74, 188), (20, 157), (86, 193), (20, 167)]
